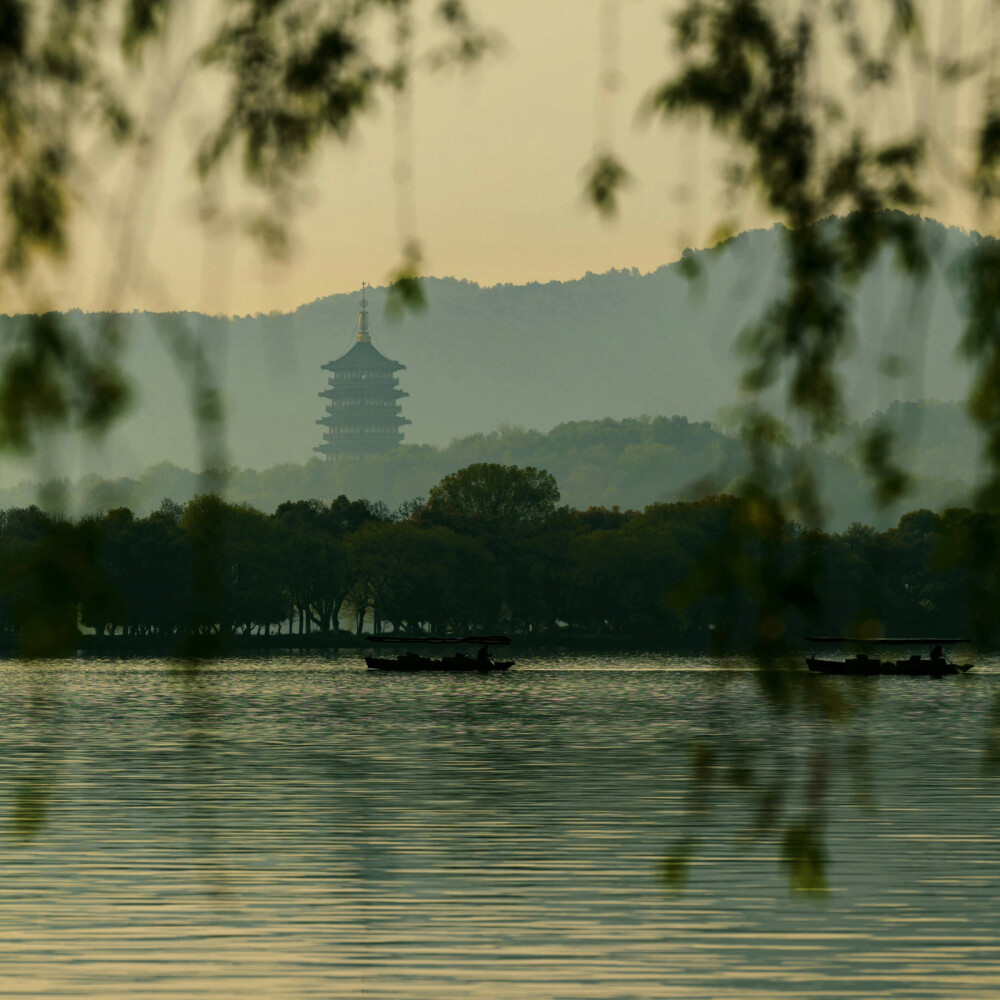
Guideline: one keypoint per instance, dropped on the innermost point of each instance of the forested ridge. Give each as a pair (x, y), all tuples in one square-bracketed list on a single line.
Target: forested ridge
[(626, 463), (490, 550)]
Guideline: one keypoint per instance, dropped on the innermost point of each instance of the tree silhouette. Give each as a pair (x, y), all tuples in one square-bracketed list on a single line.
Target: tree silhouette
[(505, 494)]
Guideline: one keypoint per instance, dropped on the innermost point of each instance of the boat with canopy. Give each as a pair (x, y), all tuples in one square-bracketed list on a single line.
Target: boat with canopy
[(935, 664), (457, 662)]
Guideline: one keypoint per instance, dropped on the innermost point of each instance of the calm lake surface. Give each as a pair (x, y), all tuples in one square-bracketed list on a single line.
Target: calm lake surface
[(298, 827)]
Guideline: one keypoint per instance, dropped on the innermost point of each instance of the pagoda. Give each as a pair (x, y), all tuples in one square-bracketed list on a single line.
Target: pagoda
[(362, 399)]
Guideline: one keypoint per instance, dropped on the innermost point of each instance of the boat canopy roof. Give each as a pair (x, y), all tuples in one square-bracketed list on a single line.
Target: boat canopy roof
[(917, 641), (440, 640)]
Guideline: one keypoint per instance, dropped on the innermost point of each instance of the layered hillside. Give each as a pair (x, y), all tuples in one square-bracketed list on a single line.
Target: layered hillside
[(614, 345)]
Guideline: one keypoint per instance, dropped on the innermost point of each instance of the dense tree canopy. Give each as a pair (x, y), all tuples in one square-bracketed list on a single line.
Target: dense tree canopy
[(503, 493), (673, 574)]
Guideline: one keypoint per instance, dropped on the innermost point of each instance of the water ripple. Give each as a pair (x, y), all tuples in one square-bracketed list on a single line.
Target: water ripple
[(293, 828)]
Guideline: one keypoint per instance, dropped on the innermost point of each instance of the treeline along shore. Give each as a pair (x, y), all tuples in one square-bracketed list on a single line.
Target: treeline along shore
[(490, 550)]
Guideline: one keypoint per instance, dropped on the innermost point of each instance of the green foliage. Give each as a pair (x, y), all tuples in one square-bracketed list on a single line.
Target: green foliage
[(32, 801), (314, 546), (144, 19), (405, 288), (892, 481), (410, 575), (297, 74), (503, 493), (804, 856), (675, 867), (606, 176), (51, 376), (699, 573), (748, 67)]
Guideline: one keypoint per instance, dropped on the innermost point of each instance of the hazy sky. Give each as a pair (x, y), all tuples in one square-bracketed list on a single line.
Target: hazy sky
[(498, 161), (498, 157)]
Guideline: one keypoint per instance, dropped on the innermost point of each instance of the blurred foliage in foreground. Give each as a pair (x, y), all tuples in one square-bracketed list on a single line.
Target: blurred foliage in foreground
[(491, 550), (79, 80), (796, 92)]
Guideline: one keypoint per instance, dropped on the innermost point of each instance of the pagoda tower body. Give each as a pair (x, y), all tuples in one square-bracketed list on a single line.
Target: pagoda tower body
[(362, 399)]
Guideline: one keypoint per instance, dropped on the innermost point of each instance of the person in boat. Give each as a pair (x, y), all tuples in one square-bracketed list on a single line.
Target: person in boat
[(937, 655), (483, 657)]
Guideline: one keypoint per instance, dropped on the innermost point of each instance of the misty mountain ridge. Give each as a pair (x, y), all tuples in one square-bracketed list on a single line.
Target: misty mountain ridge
[(536, 355)]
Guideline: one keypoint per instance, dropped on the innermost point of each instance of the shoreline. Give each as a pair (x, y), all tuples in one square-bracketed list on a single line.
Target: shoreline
[(215, 645)]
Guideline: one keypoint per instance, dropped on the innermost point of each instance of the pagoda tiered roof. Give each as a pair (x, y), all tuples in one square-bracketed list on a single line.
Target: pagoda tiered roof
[(363, 355)]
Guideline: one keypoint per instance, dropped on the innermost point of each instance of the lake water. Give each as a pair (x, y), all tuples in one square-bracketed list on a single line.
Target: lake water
[(298, 827)]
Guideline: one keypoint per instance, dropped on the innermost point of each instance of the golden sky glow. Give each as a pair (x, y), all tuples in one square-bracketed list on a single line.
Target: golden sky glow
[(498, 156), (498, 161)]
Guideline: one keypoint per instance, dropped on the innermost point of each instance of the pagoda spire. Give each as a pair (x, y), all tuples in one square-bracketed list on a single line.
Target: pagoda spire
[(364, 333)]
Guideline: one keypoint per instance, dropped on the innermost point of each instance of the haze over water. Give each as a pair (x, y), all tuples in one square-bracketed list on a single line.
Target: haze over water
[(297, 827)]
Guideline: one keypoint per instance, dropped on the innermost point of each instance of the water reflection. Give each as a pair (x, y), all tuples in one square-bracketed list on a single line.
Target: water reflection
[(36, 715), (295, 828), (781, 786)]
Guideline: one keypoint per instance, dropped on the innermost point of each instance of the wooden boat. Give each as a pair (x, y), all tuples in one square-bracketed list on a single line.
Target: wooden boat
[(410, 662), (862, 665)]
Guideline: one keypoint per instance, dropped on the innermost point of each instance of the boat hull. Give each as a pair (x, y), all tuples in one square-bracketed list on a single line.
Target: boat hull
[(447, 664), (913, 667)]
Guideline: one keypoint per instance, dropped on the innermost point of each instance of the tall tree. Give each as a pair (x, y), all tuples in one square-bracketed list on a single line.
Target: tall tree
[(504, 494)]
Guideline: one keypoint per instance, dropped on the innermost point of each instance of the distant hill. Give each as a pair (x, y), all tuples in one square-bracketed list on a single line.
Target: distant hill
[(539, 355), (627, 463)]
